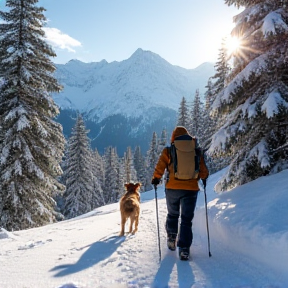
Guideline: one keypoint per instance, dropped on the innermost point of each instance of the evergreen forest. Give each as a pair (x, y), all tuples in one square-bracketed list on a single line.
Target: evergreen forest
[(241, 122)]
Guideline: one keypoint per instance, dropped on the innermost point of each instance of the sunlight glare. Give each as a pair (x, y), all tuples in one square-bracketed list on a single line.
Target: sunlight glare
[(232, 45)]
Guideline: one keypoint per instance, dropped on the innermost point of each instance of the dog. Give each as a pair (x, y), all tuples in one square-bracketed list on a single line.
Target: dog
[(130, 207)]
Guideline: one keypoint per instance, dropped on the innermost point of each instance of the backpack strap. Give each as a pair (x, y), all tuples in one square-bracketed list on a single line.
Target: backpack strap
[(198, 152), (173, 156)]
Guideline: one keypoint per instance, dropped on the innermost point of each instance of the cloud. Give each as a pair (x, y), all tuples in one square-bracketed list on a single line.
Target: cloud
[(60, 40)]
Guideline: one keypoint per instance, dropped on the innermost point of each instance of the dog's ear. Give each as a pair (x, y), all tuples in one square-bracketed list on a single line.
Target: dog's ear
[(138, 184), (126, 185)]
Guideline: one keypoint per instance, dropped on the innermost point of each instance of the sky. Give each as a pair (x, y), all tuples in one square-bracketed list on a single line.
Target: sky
[(248, 229), (183, 32)]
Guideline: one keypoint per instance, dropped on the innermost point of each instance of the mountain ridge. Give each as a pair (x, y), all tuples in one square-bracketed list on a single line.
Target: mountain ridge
[(145, 89)]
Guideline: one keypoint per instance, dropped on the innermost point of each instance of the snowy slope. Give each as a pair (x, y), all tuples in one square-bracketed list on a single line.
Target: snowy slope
[(248, 233), (142, 82)]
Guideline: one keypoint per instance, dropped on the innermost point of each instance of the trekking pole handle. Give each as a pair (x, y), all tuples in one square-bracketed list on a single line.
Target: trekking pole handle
[(204, 182)]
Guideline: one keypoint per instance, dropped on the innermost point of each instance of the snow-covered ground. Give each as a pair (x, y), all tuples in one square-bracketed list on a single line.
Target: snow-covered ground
[(248, 235)]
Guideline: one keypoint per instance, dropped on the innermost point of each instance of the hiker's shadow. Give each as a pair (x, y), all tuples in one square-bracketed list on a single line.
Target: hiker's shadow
[(96, 252), (186, 277)]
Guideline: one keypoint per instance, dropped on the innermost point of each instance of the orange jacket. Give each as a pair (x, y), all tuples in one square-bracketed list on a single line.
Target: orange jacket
[(164, 162)]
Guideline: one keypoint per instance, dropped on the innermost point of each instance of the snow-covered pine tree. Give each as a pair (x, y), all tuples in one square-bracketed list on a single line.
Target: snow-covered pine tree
[(111, 187), (208, 122), (139, 164), (162, 142), (129, 170), (33, 142), (120, 189), (214, 121), (255, 100), (1, 129), (183, 114), (222, 68), (209, 126), (152, 158), (221, 78), (98, 170), (79, 176), (98, 178), (196, 126)]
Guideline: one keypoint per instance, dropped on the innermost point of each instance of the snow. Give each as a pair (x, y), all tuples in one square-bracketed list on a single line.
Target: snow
[(249, 108), (248, 234), (256, 66), (273, 21), (260, 152), (219, 140), (272, 103), (139, 83)]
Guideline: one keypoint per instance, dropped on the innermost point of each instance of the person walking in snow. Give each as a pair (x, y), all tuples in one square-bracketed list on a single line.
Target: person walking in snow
[(181, 187)]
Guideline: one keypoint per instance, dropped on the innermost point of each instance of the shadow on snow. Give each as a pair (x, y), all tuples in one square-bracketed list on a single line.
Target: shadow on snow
[(96, 252)]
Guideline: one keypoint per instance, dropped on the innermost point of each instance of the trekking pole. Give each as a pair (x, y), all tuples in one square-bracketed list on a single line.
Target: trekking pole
[(205, 196), (155, 188)]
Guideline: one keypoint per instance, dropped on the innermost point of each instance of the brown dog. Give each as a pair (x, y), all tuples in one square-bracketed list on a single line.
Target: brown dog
[(130, 207)]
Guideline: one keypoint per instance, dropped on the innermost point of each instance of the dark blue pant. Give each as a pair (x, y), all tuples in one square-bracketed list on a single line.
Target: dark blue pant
[(181, 203)]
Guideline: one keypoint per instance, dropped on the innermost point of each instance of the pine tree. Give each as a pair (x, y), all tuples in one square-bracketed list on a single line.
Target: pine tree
[(79, 177), (208, 122), (152, 159), (33, 142), (1, 128), (139, 164), (99, 167), (111, 187), (130, 172), (222, 68), (183, 114), (162, 143), (221, 79), (120, 190), (98, 179), (196, 126), (255, 101), (209, 128)]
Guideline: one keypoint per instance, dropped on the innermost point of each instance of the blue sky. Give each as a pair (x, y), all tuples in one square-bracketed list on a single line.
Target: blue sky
[(184, 32)]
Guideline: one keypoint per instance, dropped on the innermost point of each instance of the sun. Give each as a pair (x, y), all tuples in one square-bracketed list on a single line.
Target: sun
[(232, 45)]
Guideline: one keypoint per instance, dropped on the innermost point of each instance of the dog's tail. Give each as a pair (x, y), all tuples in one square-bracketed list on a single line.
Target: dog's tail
[(130, 204)]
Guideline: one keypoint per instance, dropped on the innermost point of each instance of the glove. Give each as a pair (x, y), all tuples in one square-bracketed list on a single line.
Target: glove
[(204, 181), (155, 181)]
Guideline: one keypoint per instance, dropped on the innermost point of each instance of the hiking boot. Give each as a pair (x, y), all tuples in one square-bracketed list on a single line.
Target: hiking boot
[(171, 241), (184, 253)]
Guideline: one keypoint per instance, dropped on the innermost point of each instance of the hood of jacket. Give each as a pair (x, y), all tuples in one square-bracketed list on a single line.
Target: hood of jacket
[(178, 131)]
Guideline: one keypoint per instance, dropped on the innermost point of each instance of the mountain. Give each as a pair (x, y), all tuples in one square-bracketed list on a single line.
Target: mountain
[(132, 98)]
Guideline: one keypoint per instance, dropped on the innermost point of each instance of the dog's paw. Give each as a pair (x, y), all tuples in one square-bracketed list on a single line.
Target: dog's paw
[(121, 234)]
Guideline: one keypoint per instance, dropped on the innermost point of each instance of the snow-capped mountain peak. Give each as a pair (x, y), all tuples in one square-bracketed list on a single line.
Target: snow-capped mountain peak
[(142, 81), (140, 95)]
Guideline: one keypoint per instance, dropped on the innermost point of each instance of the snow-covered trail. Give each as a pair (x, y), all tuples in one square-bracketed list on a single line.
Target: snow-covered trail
[(86, 252), (226, 267)]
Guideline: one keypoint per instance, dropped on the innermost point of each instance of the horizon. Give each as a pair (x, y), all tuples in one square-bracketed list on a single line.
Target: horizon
[(75, 59)]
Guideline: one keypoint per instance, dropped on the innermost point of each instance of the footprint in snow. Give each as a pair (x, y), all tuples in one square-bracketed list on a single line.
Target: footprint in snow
[(30, 244)]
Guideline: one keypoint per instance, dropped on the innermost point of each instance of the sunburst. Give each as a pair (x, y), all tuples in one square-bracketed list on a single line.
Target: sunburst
[(232, 44)]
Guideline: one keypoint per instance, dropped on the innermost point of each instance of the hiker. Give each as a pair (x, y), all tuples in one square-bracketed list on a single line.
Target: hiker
[(181, 191)]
